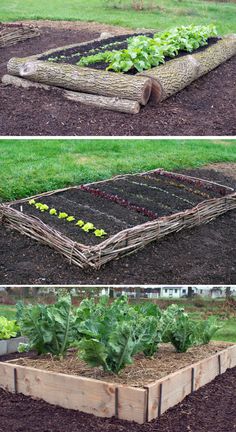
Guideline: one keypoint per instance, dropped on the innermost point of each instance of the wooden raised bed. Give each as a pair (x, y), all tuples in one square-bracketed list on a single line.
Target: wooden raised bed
[(116, 91), (10, 346), (128, 240), (105, 399)]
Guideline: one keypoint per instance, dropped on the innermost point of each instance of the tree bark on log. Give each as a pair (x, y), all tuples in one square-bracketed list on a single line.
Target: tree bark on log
[(23, 83), (114, 104), (176, 74), (12, 36), (136, 88)]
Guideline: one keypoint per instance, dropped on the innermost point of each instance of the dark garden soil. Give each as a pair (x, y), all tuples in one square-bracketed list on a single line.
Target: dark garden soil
[(142, 372), (143, 198), (73, 55), (207, 107), (203, 255), (210, 409)]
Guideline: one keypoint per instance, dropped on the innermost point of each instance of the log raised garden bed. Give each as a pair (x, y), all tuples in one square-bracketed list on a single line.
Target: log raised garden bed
[(110, 90), (134, 210), (108, 399)]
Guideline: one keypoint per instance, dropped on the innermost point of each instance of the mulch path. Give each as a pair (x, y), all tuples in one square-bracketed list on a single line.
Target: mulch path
[(202, 255), (207, 107), (210, 409)]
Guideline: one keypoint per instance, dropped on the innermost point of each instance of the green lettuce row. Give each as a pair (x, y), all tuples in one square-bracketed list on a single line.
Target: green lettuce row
[(145, 52)]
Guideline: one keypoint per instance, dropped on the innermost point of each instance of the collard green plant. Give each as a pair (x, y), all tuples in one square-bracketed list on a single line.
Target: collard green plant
[(111, 334), (50, 329), (206, 330), (8, 328)]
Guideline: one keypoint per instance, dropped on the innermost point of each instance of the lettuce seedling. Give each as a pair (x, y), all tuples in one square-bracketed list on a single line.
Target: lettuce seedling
[(63, 215), (70, 218), (32, 202), (100, 233), (80, 223), (53, 212), (88, 227)]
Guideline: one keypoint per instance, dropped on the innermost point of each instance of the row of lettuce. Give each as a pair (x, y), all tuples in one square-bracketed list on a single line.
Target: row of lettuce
[(105, 334), (144, 52)]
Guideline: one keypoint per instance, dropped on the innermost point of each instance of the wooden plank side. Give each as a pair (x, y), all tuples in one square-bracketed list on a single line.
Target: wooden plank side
[(132, 404), (206, 370), (84, 394), (174, 389), (232, 356), (7, 377)]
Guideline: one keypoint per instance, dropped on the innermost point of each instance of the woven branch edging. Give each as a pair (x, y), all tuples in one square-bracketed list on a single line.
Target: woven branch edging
[(122, 243), (103, 399)]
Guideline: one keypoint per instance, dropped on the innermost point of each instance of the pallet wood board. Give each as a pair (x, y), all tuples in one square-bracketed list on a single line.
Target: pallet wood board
[(146, 226), (111, 399)]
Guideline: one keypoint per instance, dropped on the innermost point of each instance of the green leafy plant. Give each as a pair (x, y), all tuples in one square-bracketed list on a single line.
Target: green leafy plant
[(178, 328), (50, 329), (8, 328), (70, 218), (53, 212), (63, 215), (110, 335), (144, 52), (206, 330), (86, 226)]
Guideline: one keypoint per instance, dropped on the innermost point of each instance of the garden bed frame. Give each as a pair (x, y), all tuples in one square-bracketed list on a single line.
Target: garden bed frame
[(105, 399), (116, 91), (124, 242), (10, 346)]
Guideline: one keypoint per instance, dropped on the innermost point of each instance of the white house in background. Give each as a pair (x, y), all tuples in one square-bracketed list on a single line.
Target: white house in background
[(174, 292)]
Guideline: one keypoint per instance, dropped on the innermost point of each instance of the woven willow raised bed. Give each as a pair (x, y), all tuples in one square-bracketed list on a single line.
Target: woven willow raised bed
[(106, 399), (128, 240), (116, 91)]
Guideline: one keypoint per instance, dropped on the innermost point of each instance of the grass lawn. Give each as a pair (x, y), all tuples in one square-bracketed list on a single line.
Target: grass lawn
[(168, 13), (8, 311), (33, 166)]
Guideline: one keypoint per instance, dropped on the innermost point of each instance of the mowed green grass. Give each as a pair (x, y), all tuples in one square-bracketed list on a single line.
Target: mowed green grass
[(166, 14), (33, 166), (8, 311), (227, 332)]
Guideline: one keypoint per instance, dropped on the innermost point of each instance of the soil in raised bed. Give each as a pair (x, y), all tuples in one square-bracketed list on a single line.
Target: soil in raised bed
[(157, 194), (202, 255), (210, 409), (206, 107), (73, 55), (142, 372)]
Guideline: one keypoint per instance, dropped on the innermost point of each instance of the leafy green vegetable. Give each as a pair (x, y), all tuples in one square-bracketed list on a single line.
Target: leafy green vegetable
[(70, 218), (50, 329), (88, 227), (63, 215), (53, 212), (206, 330), (144, 52), (8, 328), (110, 335)]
